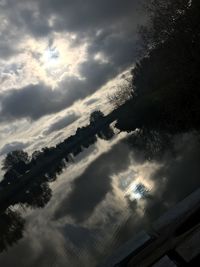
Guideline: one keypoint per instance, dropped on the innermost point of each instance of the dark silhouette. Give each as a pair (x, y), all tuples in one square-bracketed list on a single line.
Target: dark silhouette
[(36, 196), (166, 80), (96, 116), (26, 179), (11, 228), (15, 164), (150, 144), (17, 160)]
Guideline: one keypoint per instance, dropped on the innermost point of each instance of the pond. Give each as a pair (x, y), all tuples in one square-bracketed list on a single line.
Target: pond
[(102, 198)]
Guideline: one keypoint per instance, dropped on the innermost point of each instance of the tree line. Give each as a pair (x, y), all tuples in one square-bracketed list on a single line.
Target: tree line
[(165, 84), (26, 178)]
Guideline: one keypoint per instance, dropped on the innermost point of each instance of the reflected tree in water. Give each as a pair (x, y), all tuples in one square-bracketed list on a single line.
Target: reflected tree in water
[(11, 228), (151, 144), (36, 196)]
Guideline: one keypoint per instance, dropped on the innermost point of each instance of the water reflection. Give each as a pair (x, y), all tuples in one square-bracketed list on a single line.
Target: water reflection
[(11, 228), (26, 179), (89, 189), (132, 187), (137, 191), (89, 213)]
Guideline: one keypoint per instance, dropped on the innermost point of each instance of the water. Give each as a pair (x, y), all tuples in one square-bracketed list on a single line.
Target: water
[(110, 192)]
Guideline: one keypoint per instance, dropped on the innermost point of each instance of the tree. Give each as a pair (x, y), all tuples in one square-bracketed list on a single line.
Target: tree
[(16, 160), (36, 155), (166, 80), (96, 116), (15, 164), (36, 196), (123, 93), (163, 18), (11, 228)]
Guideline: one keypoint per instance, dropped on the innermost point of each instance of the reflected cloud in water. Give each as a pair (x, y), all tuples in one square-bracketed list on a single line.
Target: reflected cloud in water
[(101, 200)]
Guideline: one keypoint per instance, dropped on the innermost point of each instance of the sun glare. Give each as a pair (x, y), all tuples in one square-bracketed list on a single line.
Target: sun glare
[(137, 191), (51, 56)]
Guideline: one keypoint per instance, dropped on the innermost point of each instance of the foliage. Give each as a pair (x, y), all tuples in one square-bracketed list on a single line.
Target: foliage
[(163, 20), (166, 80), (95, 116), (11, 228), (14, 158), (123, 93)]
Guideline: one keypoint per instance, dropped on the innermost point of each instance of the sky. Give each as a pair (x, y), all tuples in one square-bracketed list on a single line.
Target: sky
[(59, 60)]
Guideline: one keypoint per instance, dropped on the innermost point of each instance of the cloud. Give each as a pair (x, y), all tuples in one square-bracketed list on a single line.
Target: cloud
[(180, 167), (32, 102), (6, 50), (175, 177), (36, 100), (108, 30), (77, 16), (78, 235), (89, 189), (62, 123), (91, 101), (12, 146), (57, 241)]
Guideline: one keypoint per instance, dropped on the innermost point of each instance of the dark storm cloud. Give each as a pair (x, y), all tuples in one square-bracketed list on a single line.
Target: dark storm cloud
[(32, 101), (79, 16), (24, 17), (12, 146), (38, 26), (120, 48), (91, 187), (62, 122), (84, 18), (35, 101), (108, 27)]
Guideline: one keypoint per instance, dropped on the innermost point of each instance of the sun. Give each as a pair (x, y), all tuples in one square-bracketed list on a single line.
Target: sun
[(51, 56)]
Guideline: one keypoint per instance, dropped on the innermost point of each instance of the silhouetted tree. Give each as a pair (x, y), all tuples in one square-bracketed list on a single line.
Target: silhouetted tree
[(123, 93), (106, 133), (166, 80), (16, 163), (11, 228), (150, 144), (36, 155), (163, 20), (96, 116), (15, 160), (37, 195)]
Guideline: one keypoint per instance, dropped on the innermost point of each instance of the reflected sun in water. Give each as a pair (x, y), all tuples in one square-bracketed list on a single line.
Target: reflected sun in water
[(137, 191), (135, 183)]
